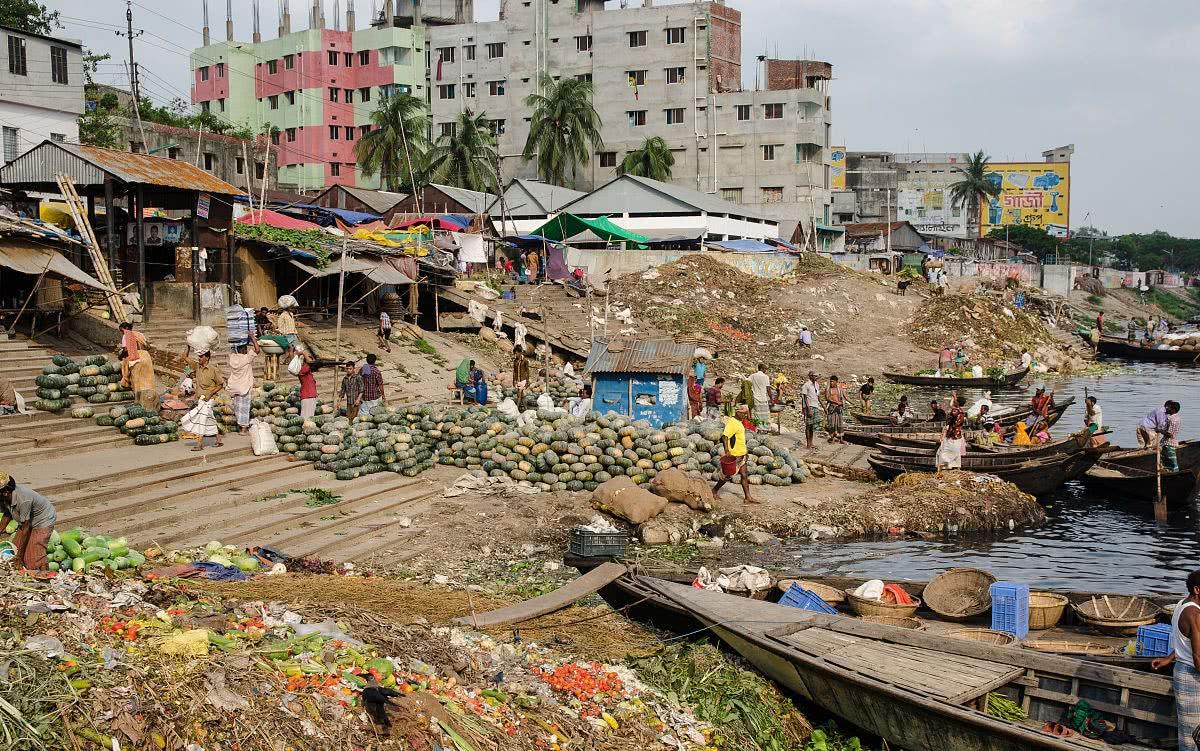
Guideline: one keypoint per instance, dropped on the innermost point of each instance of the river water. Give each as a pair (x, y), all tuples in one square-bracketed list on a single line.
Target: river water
[(1089, 542)]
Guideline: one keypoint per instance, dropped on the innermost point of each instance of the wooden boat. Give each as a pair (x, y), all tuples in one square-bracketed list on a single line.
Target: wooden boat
[(1008, 419), (1033, 476), (1114, 346), (905, 445), (1188, 456), (922, 691), (1120, 481), (1008, 380), (868, 435)]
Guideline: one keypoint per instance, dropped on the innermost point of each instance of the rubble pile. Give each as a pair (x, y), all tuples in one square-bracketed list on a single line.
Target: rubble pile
[(994, 333)]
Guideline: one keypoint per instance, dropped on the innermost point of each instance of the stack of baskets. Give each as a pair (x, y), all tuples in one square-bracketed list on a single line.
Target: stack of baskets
[(960, 593)]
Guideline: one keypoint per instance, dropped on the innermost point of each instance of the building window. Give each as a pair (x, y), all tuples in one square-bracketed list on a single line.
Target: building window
[(259, 170), (584, 77), (772, 195), (274, 102), (363, 130), (469, 89), (497, 127), (348, 59), (608, 159), (272, 66), (674, 115), (773, 111), (58, 137), (58, 64), (743, 112), (768, 151), (446, 91), (16, 56), (676, 35), (675, 75), (289, 62), (394, 56), (204, 106), (446, 130), (335, 169), (220, 70), (364, 94), (348, 96), (240, 165), (174, 152), (733, 195), (583, 43), (637, 38), (349, 133), (291, 96), (221, 104), (333, 94), (333, 57), (137, 147), (203, 68), (807, 152), (446, 54), (334, 131), (274, 138), (495, 50), (495, 88), (636, 77), (636, 118), (291, 135), (10, 142), (364, 58), (210, 161)]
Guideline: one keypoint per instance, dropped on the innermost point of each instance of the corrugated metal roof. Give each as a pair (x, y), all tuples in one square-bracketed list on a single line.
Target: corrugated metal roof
[(88, 165), (531, 198), (640, 356), (378, 200), (640, 195), (472, 200)]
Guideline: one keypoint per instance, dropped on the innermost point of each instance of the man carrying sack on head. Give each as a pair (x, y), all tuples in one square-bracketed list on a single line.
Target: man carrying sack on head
[(35, 517)]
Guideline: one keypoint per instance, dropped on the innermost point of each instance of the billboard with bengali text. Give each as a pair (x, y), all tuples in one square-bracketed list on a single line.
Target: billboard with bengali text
[(930, 210), (837, 167), (1036, 194)]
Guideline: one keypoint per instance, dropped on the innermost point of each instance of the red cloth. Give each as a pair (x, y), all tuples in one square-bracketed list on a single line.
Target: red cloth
[(896, 595), (275, 219), (30, 547), (308, 383)]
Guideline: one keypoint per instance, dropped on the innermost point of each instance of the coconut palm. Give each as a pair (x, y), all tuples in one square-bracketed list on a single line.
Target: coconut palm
[(974, 188), (564, 128), (468, 157), (653, 159), (397, 146)]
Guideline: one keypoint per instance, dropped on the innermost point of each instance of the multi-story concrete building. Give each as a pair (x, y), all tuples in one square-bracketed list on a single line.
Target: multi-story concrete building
[(882, 186), (41, 91), (672, 71), (318, 87)]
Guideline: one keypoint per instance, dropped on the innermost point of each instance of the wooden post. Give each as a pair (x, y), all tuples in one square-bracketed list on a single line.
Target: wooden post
[(437, 313), (141, 251), (337, 348), (195, 284), (1160, 503), (110, 226)]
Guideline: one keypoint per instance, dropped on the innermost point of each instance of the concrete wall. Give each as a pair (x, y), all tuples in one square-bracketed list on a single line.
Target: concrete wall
[(36, 106), (1058, 279), (175, 299), (182, 144), (595, 262)]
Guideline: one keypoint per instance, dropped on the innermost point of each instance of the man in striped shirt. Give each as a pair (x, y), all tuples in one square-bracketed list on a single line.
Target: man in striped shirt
[(385, 330), (372, 378)]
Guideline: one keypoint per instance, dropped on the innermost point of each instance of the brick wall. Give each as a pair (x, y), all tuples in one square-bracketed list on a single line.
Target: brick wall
[(725, 51), (795, 74)]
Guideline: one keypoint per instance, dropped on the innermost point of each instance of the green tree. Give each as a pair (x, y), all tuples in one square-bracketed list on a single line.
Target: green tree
[(973, 188), (1033, 239), (564, 128), (28, 15), (653, 159), (96, 128), (468, 157), (397, 147)]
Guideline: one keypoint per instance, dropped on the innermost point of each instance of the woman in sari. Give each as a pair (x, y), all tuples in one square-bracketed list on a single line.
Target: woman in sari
[(1021, 438), (142, 380), (132, 342), (201, 421)]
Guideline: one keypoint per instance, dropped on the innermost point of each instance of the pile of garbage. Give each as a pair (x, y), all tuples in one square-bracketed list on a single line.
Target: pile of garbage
[(94, 379), (544, 449), (99, 662), (994, 333)]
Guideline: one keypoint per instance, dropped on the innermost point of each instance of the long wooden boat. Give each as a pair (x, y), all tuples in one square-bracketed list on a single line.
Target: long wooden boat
[(1115, 346), (1188, 456), (868, 435), (1008, 418), (1119, 481), (1034, 476), (1008, 380), (924, 691), (928, 443)]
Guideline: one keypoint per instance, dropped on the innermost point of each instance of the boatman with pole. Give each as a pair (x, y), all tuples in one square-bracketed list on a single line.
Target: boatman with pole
[(1184, 655)]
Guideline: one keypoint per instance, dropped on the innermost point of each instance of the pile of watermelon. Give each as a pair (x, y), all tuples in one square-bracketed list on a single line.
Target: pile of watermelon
[(94, 379), (75, 550), (145, 426)]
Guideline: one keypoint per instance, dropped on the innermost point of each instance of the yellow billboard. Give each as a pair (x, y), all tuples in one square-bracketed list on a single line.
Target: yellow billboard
[(837, 167), (1036, 194)]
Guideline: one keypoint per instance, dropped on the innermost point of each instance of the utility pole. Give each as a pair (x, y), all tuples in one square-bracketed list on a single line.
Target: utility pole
[(133, 70)]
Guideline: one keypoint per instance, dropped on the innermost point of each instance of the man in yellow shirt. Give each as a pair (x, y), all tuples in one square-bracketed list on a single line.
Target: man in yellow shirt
[(733, 462)]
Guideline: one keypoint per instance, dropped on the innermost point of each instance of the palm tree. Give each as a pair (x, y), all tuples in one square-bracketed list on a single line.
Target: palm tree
[(973, 188), (653, 160), (397, 146), (468, 157), (564, 128)]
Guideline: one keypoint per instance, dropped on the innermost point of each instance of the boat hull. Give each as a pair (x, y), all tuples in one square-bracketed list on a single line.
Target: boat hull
[(1116, 347), (1009, 380)]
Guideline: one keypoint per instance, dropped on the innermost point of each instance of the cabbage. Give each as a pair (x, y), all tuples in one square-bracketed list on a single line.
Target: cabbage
[(213, 546), (218, 558)]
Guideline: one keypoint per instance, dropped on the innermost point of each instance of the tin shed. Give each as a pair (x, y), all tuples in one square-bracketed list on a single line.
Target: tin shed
[(644, 379)]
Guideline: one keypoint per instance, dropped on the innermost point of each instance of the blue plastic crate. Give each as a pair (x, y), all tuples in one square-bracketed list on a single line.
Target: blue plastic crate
[(1010, 608), (799, 597), (1154, 640)]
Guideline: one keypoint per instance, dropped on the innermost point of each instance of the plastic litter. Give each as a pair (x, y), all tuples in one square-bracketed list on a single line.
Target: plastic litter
[(193, 643), (47, 645)]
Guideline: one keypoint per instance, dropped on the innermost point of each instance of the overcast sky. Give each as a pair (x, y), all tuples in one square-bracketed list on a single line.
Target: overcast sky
[(1012, 77)]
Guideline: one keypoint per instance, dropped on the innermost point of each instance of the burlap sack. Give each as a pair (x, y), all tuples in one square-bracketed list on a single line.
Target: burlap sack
[(676, 485), (621, 497)]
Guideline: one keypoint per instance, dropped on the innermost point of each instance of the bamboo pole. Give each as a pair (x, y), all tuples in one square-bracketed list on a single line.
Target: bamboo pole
[(1160, 503), (337, 346)]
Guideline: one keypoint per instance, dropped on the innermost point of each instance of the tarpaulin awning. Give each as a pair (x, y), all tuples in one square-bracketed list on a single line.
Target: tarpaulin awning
[(33, 259), (568, 225), (275, 219), (346, 215), (377, 271), (745, 246), (452, 222), (827, 228), (780, 242)]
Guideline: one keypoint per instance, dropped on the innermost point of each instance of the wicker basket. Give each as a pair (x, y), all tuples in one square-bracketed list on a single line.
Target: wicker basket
[(916, 624), (863, 606), (831, 595), (960, 593), (1069, 647), (983, 636), (1045, 610), (1118, 614)]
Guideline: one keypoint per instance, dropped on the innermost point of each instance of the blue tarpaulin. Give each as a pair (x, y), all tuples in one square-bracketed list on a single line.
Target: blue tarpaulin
[(779, 241), (745, 246), (347, 216)]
